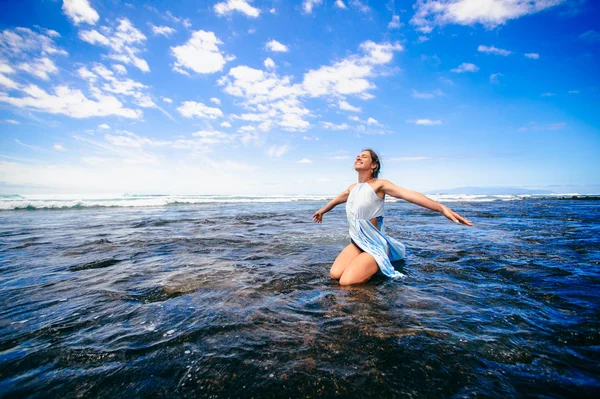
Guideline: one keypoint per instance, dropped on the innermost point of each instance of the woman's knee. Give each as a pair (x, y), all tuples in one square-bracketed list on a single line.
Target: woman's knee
[(335, 272)]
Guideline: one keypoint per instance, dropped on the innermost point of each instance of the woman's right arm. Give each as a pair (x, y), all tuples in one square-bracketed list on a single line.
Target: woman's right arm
[(340, 199)]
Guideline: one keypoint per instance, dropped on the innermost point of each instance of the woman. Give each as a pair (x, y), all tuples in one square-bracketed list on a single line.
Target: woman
[(370, 250)]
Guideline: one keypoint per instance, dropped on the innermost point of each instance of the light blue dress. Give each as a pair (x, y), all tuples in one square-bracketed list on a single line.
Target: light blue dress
[(362, 205)]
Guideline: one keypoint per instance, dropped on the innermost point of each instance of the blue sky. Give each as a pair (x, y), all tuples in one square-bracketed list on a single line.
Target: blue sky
[(278, 97)]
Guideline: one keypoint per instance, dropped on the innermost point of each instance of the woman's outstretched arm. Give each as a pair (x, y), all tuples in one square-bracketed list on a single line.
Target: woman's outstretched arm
[(340, 199), (419, 199)]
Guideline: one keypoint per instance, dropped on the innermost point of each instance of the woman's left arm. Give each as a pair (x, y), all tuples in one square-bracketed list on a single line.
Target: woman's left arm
[(419, 199)]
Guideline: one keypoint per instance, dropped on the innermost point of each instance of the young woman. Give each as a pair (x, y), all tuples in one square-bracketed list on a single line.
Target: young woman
[(370, 249)]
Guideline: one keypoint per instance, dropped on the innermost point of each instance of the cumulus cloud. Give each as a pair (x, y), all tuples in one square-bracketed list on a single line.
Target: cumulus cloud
[(590, 36), (242, 6), (333, 126), (465, 67), (79, 11), (360, 6), (494, 78), (340, 4), (59, 147), (269, 63), (215, 100), (120, 69), (373, 121), (270, 98), (493, 50), (200, 54), (70, 102), (123, 41), (23, 42), (277, 151), (490, 13), (39, 67), (190, 109), (104, 126), (344, 105), (309, 5), (102, 79), (352, 74), (275, 46), (425, 122), (225, 124), (163, 30), (533, 56), (304, 160), (427, 95), (395, 22), (167, 100)]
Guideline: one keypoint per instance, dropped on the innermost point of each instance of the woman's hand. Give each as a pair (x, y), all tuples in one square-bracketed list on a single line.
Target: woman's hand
[(455, 217), (318, 216)]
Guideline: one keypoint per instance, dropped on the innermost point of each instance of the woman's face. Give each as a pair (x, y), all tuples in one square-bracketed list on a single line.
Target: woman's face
[(363, 161)]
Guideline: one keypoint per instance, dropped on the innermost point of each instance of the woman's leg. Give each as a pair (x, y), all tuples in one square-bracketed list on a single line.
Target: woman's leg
[(343, 260), (361, 269)]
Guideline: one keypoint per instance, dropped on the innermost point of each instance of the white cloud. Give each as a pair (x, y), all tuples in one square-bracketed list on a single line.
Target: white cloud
[(190, 109), (120, 69), (104, 126), (8, 82), (123, 41), (361, 7), (425, 122), (490, 13), (215, 100), (167, 100), (344, 105), (225, 124), (24, 43), (269, 63), (340, 157), (351, 75), (163, 30), (494, 78), (275, 46), (200, 54), (80, 11), (446, 81), (39, 67), (333, 126), (573, 91), (308, 5), (273, 11), (103, 79), (277, 151), (466, 67), (533, 56), (304, 160), (340, 4), (395, 22), (269, 97), (184, 21), (372, 121), (534, 126), (547, 94), (427, 96), (229, 6), (212, 137), (59, 147), (493, 50), (354, 118), (70, 102), (590, 36), (12, 122)]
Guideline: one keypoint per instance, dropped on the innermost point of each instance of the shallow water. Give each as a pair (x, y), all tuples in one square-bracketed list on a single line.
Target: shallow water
[(235, 300)]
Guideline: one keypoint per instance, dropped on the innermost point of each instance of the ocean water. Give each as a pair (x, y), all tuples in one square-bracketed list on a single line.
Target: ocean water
[(212, 296)]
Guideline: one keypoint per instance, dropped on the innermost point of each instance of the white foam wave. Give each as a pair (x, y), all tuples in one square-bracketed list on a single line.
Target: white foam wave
[(70, 201)]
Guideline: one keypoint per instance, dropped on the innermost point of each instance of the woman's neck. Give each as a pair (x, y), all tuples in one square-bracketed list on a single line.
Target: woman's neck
[(365, 176)]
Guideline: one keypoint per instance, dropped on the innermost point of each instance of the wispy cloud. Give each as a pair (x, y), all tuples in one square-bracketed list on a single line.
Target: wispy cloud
[(465, 67), (425, 122), (493, 50)]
